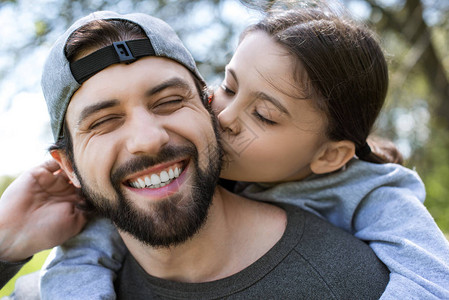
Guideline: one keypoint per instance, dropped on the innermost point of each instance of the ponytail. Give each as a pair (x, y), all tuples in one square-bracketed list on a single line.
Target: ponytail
[(382, 151)]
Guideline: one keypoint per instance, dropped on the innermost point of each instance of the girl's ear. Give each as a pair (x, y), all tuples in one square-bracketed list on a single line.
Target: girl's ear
[(332, 156), (66, 166)]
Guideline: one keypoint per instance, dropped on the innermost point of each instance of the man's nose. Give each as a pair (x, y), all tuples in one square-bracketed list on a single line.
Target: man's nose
[(146, 134), (229, 119)]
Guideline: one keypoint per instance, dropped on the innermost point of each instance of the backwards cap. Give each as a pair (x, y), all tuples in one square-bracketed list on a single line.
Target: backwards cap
[(58, 80)]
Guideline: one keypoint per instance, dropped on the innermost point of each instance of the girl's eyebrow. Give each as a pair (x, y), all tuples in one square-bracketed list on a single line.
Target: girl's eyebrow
[(274, 101), (262, 95), (232, 72)]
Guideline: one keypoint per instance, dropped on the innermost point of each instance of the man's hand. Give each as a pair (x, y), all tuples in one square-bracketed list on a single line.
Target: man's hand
[(38, 211)]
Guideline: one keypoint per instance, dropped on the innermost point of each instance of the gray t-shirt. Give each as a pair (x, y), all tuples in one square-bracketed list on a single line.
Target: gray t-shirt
[(312, 260)]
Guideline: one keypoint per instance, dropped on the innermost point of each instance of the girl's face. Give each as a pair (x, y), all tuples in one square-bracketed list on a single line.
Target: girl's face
[(268, 132)]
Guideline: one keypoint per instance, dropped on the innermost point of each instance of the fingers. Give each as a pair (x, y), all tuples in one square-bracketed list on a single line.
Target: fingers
[(63, 174), (61, 180), (71, 225), (51, 165), (50, 177), (60, 172)]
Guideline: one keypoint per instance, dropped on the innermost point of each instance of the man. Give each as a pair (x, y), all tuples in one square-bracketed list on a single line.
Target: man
[(132, 132)]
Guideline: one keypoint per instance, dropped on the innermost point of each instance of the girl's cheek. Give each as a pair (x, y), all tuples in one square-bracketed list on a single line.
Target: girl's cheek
[(215, 103)]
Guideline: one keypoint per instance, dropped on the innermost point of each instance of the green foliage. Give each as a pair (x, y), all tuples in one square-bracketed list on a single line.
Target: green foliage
[(41, 28), (433, 166), (4, 182)]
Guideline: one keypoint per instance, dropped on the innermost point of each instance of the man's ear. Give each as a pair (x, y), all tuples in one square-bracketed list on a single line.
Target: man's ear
[(332, 156), (65, 164)]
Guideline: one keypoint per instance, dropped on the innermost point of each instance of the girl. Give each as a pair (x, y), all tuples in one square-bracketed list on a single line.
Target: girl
[(297, 105)]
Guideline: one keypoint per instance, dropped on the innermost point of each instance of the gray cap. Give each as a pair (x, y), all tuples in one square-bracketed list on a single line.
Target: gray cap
[(58, 82)]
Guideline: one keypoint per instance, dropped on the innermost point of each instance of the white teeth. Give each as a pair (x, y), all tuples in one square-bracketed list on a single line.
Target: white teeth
[(164, 176), (155, 179), (141, 183)]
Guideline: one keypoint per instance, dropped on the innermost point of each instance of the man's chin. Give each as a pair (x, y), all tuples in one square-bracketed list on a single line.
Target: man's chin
[(166, 223)]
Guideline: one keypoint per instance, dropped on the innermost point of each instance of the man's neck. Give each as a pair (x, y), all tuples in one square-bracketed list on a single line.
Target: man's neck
[(237, 232)]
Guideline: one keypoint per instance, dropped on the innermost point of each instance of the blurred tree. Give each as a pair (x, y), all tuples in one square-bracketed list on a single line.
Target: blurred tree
[(409, 24)]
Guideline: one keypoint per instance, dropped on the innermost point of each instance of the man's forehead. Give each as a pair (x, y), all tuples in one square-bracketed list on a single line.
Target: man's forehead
[(152, 73)]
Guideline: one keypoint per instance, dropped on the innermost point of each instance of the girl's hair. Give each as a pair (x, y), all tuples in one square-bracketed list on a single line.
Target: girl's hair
[(341, 66)]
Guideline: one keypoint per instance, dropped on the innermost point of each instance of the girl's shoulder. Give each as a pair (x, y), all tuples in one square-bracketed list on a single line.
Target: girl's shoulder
[(383, 175), (390, 171)]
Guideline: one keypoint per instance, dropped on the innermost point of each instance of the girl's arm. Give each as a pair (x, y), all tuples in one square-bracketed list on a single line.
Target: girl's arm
[(39, 211), (407, 240), (85, 266)]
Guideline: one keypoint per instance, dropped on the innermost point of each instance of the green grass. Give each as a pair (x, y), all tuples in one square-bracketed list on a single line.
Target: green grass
[(33, 265)]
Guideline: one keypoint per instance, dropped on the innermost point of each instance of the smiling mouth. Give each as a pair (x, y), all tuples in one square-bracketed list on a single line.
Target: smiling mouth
[(158, 179)]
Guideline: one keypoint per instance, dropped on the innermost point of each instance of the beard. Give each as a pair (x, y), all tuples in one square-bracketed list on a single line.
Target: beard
[(167, 222)]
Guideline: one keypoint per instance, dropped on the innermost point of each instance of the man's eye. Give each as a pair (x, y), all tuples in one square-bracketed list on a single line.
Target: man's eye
[(263, 119), (227, 90), (103, 121), (168, 106), (170, 103)]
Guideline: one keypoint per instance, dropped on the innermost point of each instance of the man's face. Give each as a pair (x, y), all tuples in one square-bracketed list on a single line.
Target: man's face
[(145, 151)]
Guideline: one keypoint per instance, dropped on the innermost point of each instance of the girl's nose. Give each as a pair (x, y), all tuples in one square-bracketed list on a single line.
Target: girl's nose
[(229, 120)]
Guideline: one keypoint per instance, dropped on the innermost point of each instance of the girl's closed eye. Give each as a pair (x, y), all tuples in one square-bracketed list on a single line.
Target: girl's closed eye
[(263, 119), (227, 90)]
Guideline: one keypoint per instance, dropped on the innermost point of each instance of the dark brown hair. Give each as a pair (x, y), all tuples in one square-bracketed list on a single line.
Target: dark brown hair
[(346, 73), (98, 34)]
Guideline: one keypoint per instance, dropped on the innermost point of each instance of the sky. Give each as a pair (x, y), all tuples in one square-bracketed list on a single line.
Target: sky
[(24, 122)]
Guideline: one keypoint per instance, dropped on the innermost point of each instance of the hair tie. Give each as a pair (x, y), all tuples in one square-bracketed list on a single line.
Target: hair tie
[(210, 99), (363, 151)]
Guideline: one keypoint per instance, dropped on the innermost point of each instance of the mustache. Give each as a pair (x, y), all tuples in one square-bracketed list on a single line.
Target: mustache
[(143, 162)]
